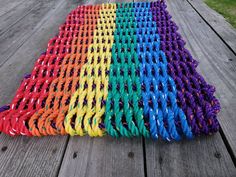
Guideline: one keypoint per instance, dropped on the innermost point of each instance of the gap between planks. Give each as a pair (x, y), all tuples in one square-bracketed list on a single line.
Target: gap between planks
[(185, 158), (216, 22), (128, 140), (34, 156), (109, 156), (25, 28), (227, 34)]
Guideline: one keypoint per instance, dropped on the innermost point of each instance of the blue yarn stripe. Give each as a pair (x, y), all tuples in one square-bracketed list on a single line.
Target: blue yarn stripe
[(159, 89)]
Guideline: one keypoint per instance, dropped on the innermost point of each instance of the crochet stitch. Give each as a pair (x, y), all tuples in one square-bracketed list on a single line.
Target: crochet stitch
[(120, 69), (125, 91), (159, 90), (195, 96)]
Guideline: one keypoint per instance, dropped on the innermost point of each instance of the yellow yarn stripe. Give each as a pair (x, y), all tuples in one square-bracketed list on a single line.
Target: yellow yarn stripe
[(94, 79)]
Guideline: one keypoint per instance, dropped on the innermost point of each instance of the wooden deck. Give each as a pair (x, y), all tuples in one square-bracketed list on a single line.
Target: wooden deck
[(25, 28)]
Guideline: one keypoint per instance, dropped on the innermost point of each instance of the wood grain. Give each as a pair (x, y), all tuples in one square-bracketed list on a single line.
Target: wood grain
[(24, 58), (205, 156), (14, 36), (217, 63), (217, 23), (14, 16), (9, 5), (84, 156), (104, 156), (25, 156)]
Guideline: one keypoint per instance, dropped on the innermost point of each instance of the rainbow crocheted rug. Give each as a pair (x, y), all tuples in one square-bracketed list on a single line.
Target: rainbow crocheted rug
[(118, 69)]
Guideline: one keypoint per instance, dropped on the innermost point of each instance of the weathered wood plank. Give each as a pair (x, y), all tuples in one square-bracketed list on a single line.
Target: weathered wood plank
[(26, 157), (217, 22), (205, 156), (217, 63), (33, 157), (17, 34), (104, 156), (14, 16), (24, 58), (22, 156), (9, 5)]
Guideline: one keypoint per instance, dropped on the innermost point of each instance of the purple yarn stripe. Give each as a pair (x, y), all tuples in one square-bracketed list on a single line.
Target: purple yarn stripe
[(4, 108), (26, 76), (195, 95)]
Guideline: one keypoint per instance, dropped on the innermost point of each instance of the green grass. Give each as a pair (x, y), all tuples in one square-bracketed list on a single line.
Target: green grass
[(227, 8)]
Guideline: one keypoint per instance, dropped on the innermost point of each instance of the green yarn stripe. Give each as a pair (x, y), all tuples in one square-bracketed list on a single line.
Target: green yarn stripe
[(124, 116)]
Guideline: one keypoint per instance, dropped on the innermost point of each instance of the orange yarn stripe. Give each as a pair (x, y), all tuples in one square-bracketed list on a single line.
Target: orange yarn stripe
[(49, 120)]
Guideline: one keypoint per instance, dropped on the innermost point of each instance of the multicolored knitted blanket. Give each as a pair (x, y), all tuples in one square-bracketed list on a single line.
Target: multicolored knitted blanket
[(118, 69)]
